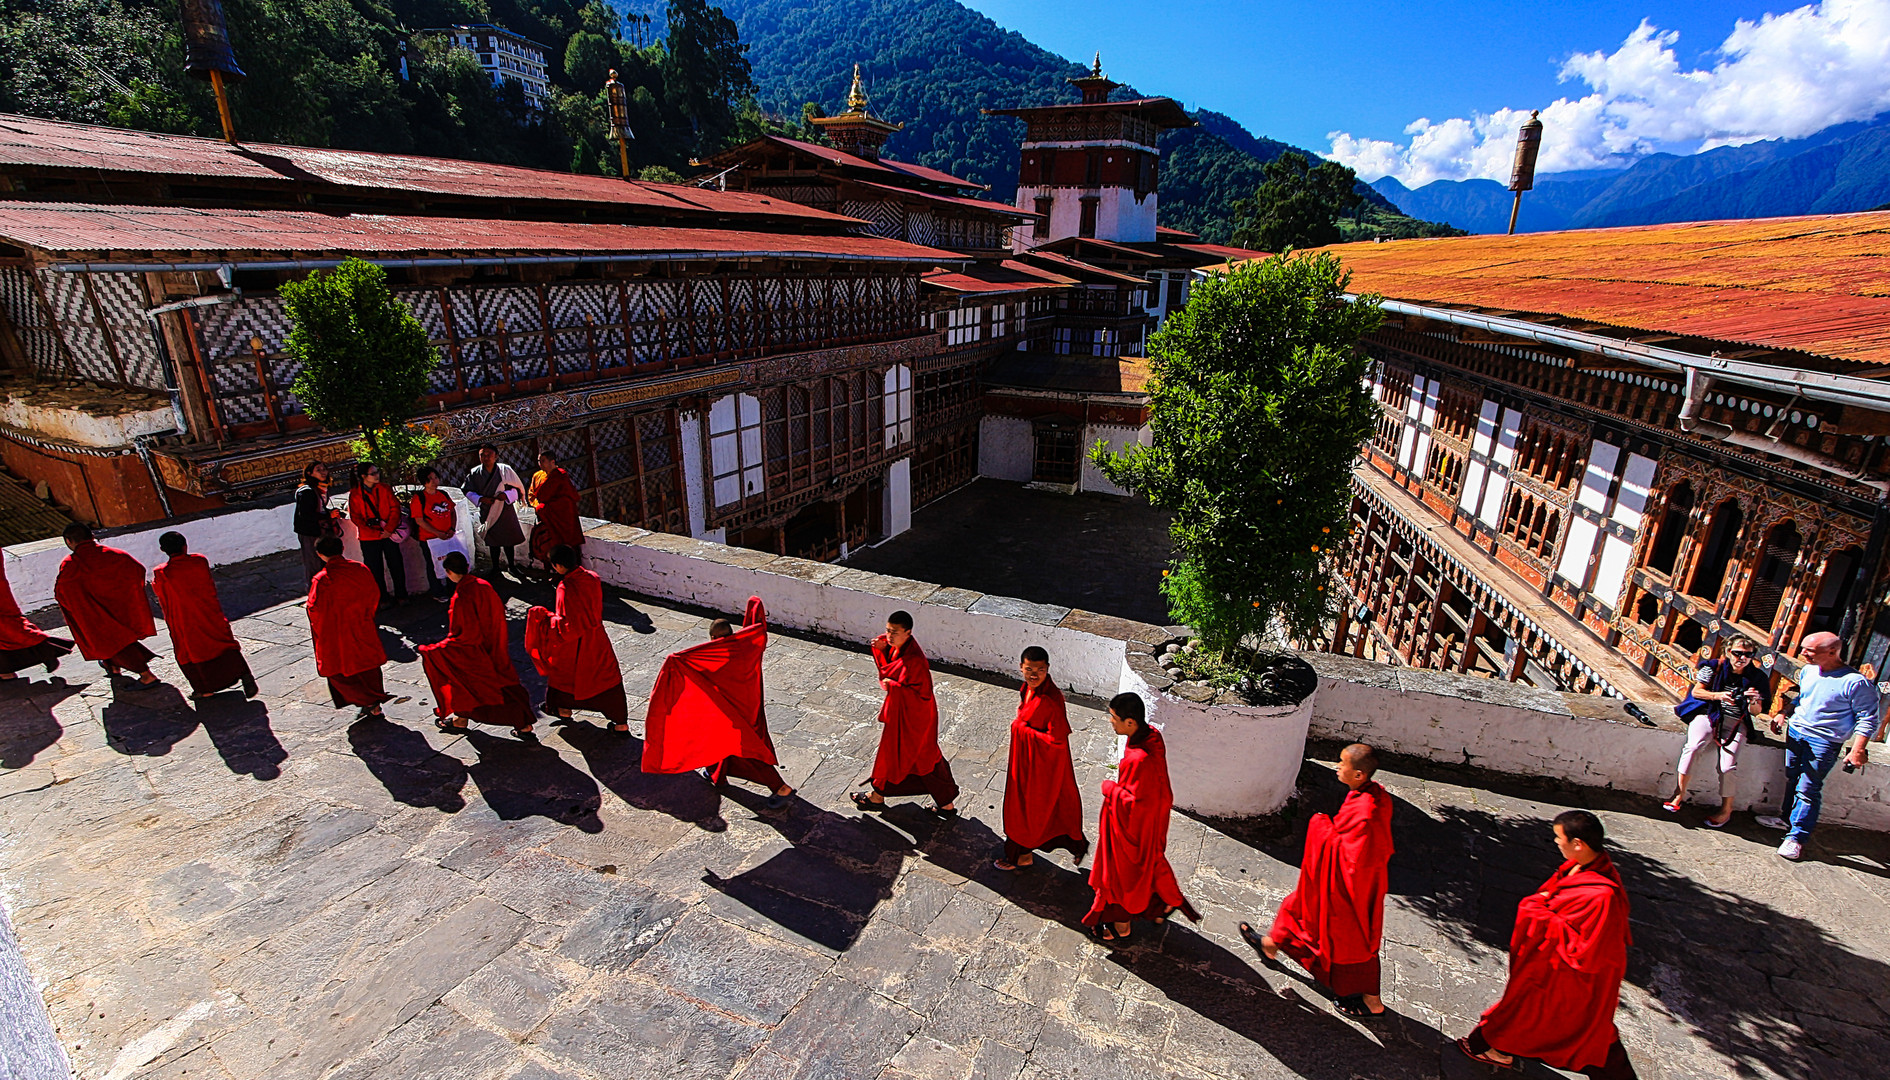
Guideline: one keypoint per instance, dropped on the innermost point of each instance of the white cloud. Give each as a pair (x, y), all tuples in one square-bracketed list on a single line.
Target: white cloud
[(1782, 77)]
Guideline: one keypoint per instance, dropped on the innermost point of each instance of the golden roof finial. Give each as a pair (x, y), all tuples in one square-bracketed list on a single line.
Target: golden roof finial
[(856, 97), (1095, 71)]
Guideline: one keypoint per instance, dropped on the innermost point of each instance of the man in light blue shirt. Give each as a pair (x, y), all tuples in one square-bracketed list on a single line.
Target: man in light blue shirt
[(1835, 702)]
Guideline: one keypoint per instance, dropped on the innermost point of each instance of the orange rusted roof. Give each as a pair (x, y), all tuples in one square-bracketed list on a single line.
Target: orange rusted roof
[(1811, 284)]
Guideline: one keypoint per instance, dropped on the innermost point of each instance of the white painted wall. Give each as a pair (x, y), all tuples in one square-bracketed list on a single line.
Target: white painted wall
[(897, 511), (1119, 214), (1007, 448), (1227, 760), (229, 537), (1118, 437), (85, 428), (695, 480)]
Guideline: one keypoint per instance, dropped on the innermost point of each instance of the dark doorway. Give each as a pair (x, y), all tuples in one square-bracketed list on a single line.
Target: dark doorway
[(1673, 529), (1059, 452), (1721, 539), (1834, 592), (1775, 569)]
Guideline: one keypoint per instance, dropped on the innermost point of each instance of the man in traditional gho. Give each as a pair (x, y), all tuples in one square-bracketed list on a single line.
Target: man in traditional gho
[(492, 487)]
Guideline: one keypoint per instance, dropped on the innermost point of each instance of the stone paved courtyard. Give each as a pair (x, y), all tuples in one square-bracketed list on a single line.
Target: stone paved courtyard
[(264, 890)]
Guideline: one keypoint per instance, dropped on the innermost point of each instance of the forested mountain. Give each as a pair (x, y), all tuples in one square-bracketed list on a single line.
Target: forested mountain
[(1840, 169), (933, 64)]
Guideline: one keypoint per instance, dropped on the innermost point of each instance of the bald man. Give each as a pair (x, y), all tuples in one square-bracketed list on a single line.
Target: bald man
[(1835, 702), (1334, 920)]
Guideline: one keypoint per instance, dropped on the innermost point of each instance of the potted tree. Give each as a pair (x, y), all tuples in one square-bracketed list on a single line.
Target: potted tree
[(1257, 413)]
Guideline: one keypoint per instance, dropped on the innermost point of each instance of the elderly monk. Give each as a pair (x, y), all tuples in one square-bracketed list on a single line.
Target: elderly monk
[(555, 499), (707, 709), (1131, 875), (200, 633), (101, 590), (23, 645), (1335, 918), (471, 671), (1567, 956), (571, 650), (1042, 809), (348, 652), (909, 761)]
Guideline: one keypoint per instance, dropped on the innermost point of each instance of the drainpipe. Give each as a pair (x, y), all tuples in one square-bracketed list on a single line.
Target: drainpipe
[(1699, 384)]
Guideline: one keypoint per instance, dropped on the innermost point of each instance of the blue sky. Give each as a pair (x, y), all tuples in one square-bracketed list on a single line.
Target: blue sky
[(1305, 72)]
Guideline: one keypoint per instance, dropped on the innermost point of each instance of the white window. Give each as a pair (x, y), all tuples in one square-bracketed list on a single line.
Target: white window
[(962, 326), (1104, 343), (1062, 340), (735, 448), (997, 320), (898, 401)]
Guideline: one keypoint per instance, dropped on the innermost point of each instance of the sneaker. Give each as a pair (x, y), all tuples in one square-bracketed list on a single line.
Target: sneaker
[(1772, 821), (1791, 849)]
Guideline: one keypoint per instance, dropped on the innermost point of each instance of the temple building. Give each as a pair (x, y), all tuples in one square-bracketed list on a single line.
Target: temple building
[(1604, 453)]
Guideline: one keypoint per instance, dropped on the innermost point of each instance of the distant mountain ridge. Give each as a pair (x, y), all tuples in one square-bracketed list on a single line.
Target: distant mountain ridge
[(1842, 169)]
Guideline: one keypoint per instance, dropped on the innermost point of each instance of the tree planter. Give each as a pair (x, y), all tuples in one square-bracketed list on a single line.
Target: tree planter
[(1225, 758)]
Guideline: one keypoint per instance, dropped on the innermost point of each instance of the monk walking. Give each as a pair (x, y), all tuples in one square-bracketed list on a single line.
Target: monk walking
[(1567, 957), (200, 633), (706, 710), (101, 590), (1042, 809), (569, 647), (471, 671), (342, 601), (555, 499), (1131, 876), (909, 760), (1335, 918), (23, 645)]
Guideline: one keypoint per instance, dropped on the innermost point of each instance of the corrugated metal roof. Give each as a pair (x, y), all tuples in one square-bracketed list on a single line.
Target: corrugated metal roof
[(29, 141), (840, 157), (984, 205), (1078, 266), (1007, 277), (1811, 284), (72, 230)]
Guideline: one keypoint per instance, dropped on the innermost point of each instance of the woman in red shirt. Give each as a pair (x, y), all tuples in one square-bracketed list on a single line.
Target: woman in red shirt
[(436, 521), (376, 513)]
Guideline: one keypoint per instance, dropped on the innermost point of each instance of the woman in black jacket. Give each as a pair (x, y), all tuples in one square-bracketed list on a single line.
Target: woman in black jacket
[(313, 518)]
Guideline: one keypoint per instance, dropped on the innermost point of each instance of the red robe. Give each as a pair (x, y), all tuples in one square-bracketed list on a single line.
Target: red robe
[(569, 646), (17, 632), (1567, 957), (1041, 803), (199, 630), (1335, 918), (908, 738), (471, 671), (341, 604), (707, 703), (556, 501), (101, 590), (1131, 875)]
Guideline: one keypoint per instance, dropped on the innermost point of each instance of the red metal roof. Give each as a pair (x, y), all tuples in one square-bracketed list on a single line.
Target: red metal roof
[(29, 141), (1812, 284), (955, 201), (1008, 277), (1173, 236), (1078, 266), (839, 157), (1160, 110), (78, 230), (1223, 251)]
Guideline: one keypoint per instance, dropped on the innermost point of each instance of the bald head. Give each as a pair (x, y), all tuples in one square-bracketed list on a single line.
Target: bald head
[(1824, 649), (1357, 763)]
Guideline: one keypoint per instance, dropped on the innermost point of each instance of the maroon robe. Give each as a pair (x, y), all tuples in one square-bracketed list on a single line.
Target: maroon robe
[(1131, 876), (556, 500), (23, 645), (471, 671), (570, 648), (706, 708), (101, 590), (1334, 920), (909, 760), (348, 653), (1042, 808), (1567, 957), (200, 632)]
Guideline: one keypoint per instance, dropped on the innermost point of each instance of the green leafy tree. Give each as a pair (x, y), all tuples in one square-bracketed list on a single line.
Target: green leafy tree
[(1298, 205), (1258, 411), (707, 70), (365, 362)]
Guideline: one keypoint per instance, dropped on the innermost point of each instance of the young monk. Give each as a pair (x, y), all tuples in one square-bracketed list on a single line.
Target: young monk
[(571, 650), (342, 601), (200, 632), (706, 710), (1335, 918), (1131, 876), (909, 760), (101, 590), (556, 500), (23, 645), (471, 671), (1041, 806), (1567, 957)]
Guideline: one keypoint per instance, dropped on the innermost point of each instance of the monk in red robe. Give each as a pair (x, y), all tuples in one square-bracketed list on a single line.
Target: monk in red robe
[(556, 500), (1042, 809), (707, 709), (471, 671), (101, 590), (909, 760), (1334, 920), (342, 600), (1567, 956), (569, 647), (23, 645), (200, 632), (1131, 876)]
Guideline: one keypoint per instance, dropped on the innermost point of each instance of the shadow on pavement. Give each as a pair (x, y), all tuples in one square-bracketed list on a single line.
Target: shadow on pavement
[(617, 763), (521, 780), (240, 731), (408, 766), (30, 725)]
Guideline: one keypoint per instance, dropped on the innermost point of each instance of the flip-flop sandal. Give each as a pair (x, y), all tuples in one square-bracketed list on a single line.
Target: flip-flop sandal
[(451, 728), (1252, 937), (1002, 865), (865, 802), (1672, 807), (944, 812), (1354, 1006), (1463, 1044), (1711, 824)]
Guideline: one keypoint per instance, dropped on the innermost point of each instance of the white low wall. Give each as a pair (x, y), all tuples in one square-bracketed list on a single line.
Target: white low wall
[(1007, 448), (228, 537), (1226, 760)]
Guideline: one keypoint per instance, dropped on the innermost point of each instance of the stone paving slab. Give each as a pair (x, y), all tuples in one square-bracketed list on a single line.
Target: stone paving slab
[(247, 890)]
